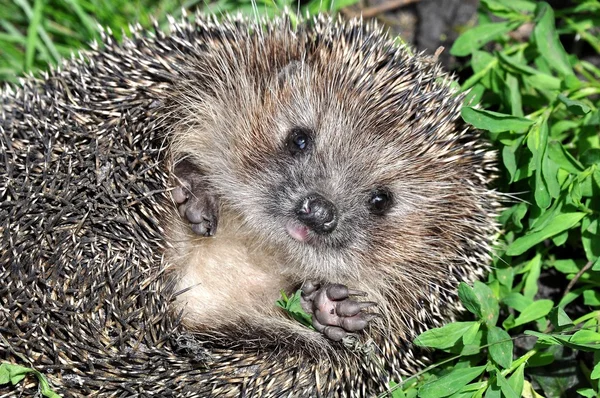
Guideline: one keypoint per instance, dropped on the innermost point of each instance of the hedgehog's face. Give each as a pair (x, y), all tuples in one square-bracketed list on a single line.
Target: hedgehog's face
[(322, 193), (320, 183), (342, 166), (315, 215), (345, 153)]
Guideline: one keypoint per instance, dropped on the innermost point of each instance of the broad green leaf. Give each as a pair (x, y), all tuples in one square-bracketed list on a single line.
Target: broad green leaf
[(593, 119), (475, 94), (547, 42), (479, 77), (493, 121), (469, 299), (561, 238), (450, 383), (512, 9), (517, 301), (519, 5), (585, 340), (587, 392), (510, 153), (588, 138), (500, 346), (538, 309), (537, 140), (490, 309), (559, 318), (591, 225), (293, 307), (591, 297), (590, 237), (470, 336), (468, 349), (514, 95), (472, 341), (510, 161), (497, 81), (517, 65), (444, 337), (493, 390), (505, 275), (4, 374), (482, 60), (575, 107), (517, 379), (396, 392), (550, 175), (563, 127), (529, 391), (596, 372), (472, 387), (596, 265), (560, 223), (539, 222), (571, 82), (507, 390), (531, 281), (575, 194), (476, 37), (542, 81), (518, 214), (13, 373), (585, 336), (589, 182), (564, 159)]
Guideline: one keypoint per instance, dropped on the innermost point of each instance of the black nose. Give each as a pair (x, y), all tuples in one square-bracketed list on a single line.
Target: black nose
[(317, 213)]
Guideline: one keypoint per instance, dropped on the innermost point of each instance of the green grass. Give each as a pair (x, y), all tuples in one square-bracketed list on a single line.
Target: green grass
[(542, 114), (35, 34)]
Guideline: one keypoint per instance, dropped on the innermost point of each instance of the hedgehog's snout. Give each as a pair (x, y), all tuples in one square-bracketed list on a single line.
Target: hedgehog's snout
[(317, 213)]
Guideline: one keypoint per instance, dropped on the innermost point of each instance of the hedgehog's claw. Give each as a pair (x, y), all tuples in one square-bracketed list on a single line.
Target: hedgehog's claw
[(332, 332), (351, 308), (194, 201), (334, 313)]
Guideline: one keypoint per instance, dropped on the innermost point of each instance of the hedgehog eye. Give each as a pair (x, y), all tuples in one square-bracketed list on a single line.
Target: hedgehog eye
[(298, 140), (380, 201)]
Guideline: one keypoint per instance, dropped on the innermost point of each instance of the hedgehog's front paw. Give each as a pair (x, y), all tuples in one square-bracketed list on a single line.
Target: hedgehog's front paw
[(333, 312), (194, 200)]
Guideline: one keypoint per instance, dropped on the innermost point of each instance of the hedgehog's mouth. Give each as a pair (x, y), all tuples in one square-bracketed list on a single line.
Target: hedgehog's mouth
[(298, 232)]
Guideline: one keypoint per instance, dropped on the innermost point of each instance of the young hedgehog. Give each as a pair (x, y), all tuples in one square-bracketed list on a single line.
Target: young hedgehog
[(157, 195)]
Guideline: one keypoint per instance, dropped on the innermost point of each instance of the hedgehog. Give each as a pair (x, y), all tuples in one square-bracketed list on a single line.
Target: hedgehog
[(160, 193)]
